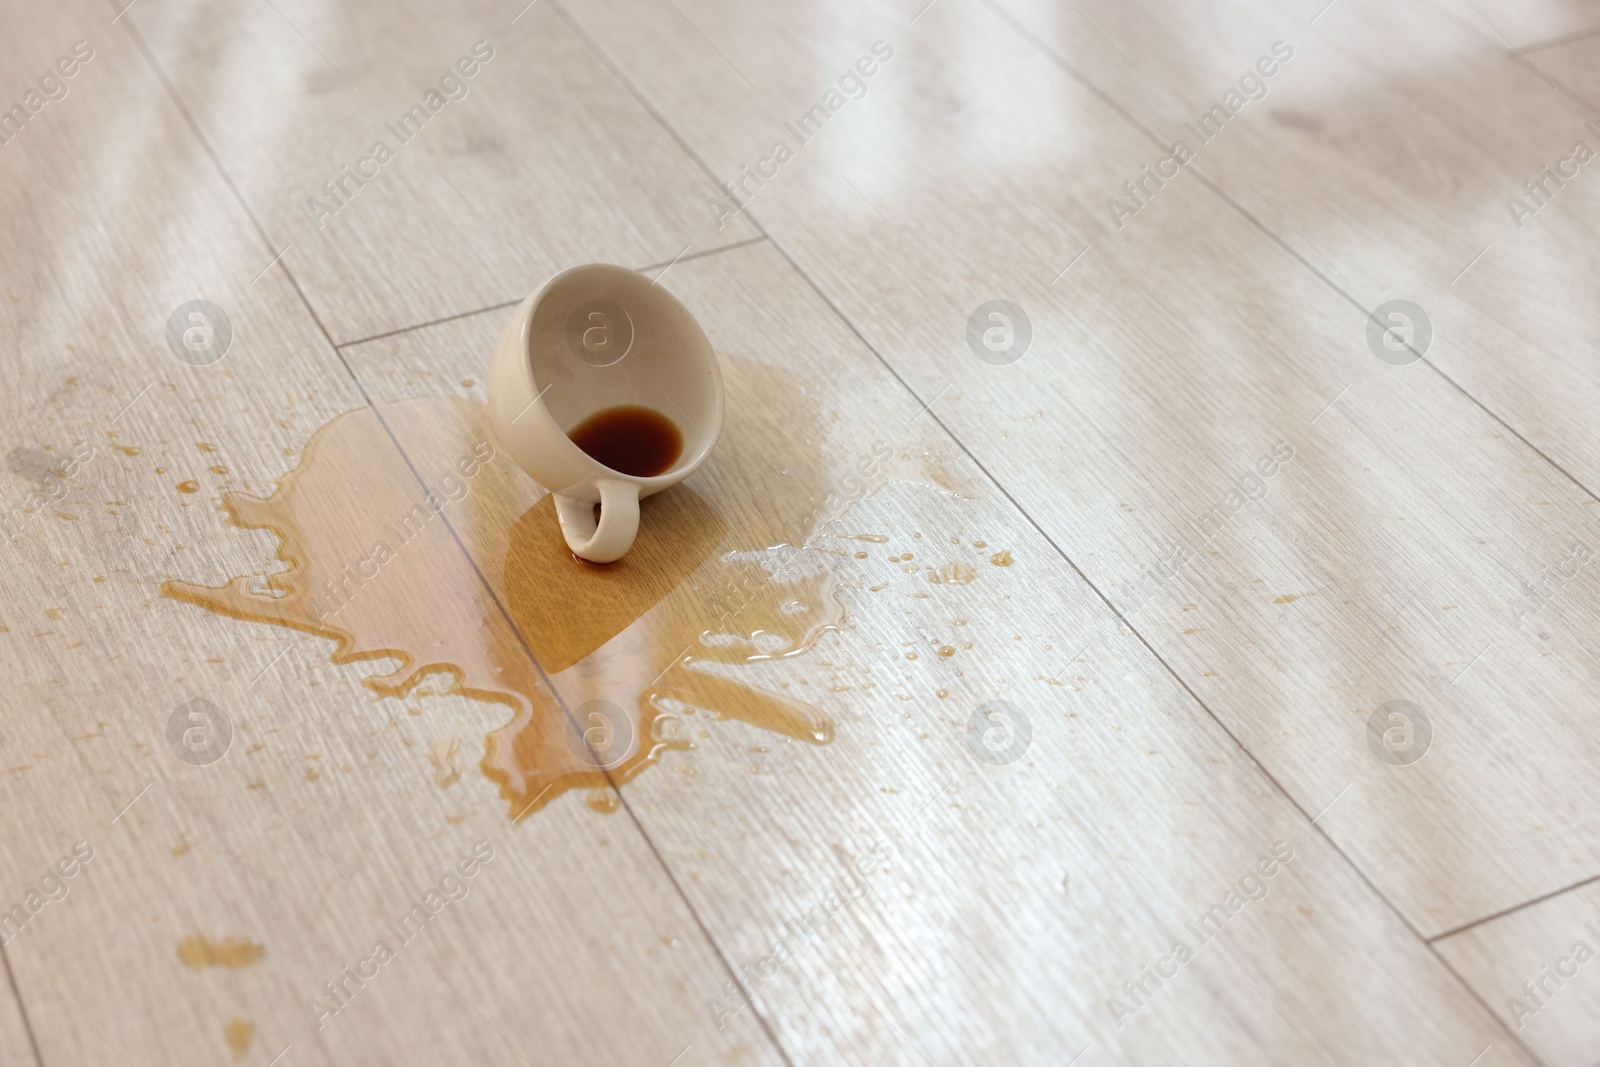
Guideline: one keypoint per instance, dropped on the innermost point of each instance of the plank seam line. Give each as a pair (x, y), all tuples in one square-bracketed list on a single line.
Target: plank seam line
[(1513, 909), (22, 1008), (1512, 53), (513, 303)]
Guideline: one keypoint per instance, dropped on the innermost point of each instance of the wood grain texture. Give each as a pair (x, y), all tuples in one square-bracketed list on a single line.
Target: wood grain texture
[(15, 1043), (1525, 27), (1551, 946), (831, 824), (542, 163), (1167, 363), (326, 818), (1128, 815), (1572, 66)]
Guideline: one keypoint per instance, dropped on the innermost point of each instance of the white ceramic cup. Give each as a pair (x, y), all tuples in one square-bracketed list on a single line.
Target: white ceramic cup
[(591, 338)]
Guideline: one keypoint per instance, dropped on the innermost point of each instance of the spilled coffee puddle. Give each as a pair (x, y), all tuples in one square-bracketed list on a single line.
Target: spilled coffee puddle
[(373, 564)]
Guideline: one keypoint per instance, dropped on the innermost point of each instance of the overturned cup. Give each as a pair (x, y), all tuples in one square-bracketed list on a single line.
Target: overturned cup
[(604, 389)]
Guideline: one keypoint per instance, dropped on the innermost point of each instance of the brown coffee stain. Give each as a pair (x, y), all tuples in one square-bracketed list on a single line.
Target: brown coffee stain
[(1001, 558), (672, 629), (189, 487), (234, 953), (742, 608), (239, 1033)]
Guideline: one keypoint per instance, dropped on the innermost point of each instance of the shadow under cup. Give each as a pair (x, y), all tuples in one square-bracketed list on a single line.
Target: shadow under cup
[(604, 338)]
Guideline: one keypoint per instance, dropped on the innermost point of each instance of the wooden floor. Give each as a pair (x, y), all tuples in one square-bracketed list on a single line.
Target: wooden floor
[(1037, 711)]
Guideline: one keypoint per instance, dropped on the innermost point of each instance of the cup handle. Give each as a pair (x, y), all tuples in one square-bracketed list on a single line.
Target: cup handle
[(619, 521)]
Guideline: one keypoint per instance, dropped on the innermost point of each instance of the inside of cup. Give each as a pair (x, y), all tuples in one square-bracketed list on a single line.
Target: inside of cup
[(603, 337)]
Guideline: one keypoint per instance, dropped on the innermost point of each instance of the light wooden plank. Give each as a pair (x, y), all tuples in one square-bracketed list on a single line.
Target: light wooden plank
[(56, 848), (1013, 901), (1387, 153), (1384, 562), (544, 162), (1550, 946), (333, 811)]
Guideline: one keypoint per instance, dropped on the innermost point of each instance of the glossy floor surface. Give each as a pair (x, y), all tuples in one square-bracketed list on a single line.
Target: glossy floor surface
[(1140, 610)]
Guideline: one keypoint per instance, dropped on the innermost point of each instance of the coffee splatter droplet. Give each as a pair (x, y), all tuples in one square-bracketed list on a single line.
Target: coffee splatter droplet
[(234, 953), (952, 574), (239, 1032)]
